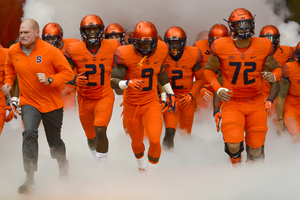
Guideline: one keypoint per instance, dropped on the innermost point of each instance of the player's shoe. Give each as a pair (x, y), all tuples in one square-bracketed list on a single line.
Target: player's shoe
[(142, 164), (28, 187)]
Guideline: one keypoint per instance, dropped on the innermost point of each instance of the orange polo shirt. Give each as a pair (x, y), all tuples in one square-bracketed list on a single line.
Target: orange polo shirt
[(44, 58)]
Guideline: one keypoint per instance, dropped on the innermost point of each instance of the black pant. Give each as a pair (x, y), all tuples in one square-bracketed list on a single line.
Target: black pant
[(52, 122)]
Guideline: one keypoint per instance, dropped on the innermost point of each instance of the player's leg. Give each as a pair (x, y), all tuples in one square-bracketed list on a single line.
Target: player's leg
[(103, 112), (233, 122), (292, 122), (152, 120), (256, 129), (86, 116), (135, 128), (171, 121), (187, 117)]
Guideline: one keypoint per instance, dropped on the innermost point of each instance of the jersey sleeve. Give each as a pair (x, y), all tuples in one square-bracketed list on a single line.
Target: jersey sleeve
[(199, 56), (61, 65), (118, 57), (291, 54), (286, 71)]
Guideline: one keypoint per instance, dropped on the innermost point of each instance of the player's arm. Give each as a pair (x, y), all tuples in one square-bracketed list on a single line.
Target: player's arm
[(284, 88), (163, 80), (212, 65), (117, 75), (272, 73), (217, 103), (200, 80)]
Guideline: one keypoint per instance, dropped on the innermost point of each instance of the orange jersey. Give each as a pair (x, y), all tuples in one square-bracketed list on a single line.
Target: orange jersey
[(291, 71), (126, 55), (44, 58), (97, 67), (205, 49), (66, 42), (282, 55), (3, 55), (67, 88), (242, 71), (181, 73)]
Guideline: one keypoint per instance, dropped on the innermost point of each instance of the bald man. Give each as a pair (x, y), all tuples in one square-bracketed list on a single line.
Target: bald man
[(202, 35), (41, 68)]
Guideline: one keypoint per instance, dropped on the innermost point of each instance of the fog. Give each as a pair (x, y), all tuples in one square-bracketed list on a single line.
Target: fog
[(192, 15), (198, 168)]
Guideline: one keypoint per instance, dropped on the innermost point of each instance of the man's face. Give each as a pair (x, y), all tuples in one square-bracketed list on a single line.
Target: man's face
[(28, 36), (116, 37), (53, 40), (92, 32)]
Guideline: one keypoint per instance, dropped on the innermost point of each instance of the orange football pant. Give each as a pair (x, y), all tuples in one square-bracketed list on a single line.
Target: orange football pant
[(140, 117), (2, 113), (184, 116), (246, 115), (94, 112), (291, 118)]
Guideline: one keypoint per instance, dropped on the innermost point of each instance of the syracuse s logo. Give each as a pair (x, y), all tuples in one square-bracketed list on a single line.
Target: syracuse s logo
[(39, 59)]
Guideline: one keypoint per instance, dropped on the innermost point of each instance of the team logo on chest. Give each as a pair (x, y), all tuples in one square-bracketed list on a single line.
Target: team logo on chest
[(39, 59), (231, 58), (176, 65), (242, 56), (147, 62), (94, 58)]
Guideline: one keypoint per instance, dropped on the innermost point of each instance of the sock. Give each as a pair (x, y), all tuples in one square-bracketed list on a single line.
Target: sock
[(101, 156)]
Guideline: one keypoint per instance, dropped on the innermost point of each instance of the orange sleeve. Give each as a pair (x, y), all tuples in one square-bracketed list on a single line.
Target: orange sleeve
[(61, 65), (10, 72), (118, 57), (199, 83), (285, 71), (211, 78)]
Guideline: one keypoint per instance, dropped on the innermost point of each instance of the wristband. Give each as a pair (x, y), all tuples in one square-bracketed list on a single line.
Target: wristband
[(277, 73), (221, 88), (123, 85), (163, 96), (280, 119)]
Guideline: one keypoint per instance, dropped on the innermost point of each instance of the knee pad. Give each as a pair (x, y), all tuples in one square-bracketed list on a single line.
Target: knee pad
[(255, 158), (237, 154)]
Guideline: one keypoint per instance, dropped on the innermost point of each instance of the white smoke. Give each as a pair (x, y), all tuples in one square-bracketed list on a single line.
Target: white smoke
[(198, 168), (193, 15)]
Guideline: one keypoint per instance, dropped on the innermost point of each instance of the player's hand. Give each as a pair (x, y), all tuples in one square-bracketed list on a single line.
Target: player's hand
[(10, 113), (223, 94), (280, 127), (81, 80), (185, 100), (207, 95), (164, 102), (6, 89), (269, 107), (172, 102), (135, 84), (269, 77), (218, 117)]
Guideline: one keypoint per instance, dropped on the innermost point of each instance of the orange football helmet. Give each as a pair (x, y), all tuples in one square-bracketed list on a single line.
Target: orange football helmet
[(272, 33), (175, 38), (115, 29), (216, 31), (130, 37), (144, 38), (241, 24), (91, 23), (53, 34), (297, 52)]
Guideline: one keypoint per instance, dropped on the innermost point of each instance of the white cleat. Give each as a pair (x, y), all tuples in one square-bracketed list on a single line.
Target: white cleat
[(142, 164)]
